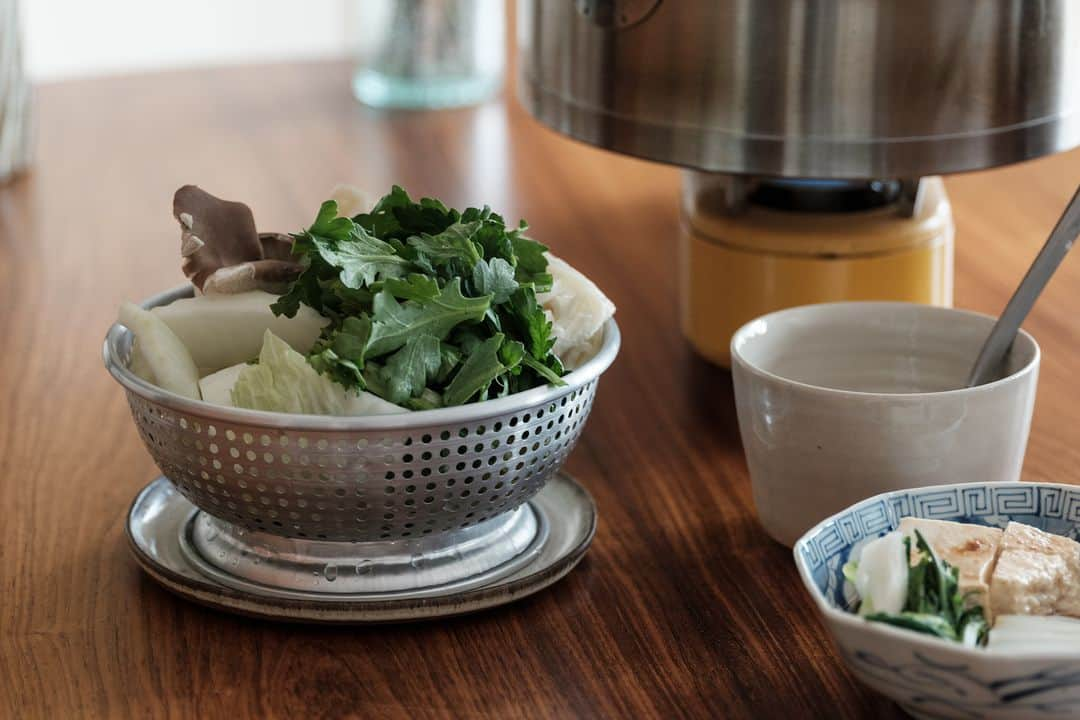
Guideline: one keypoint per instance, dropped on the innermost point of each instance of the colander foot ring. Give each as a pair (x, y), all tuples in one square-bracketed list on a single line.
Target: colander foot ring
[(496, 562), (461, 558)]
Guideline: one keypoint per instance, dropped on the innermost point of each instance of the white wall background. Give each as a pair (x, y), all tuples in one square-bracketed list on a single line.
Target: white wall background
[(72, 38)]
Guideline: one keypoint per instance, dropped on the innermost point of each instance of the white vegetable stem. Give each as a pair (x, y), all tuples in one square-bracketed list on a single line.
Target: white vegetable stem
[(284, 381), (881, 578)]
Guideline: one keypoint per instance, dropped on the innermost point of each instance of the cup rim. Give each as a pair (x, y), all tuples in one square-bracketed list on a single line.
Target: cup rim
[(739, 359)]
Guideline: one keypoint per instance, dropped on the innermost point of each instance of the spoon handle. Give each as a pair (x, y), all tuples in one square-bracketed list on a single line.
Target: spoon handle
[(1004, 331)]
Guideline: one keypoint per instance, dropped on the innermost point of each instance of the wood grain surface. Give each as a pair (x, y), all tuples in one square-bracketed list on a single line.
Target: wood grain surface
[(683, 608)]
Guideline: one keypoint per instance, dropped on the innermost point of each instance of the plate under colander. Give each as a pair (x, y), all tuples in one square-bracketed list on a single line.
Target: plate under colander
[(161, 521)]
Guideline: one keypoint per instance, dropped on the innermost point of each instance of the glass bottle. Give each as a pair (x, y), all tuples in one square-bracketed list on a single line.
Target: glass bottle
[(14, 95), (428, 53)]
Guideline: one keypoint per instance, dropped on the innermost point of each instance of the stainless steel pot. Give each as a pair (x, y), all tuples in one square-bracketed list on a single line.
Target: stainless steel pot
[(808, 88)]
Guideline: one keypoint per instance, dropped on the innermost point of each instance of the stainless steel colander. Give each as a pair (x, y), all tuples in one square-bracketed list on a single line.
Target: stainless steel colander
[(433, 479)]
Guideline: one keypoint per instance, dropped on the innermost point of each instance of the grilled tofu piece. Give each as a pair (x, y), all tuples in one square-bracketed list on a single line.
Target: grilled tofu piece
[(971, 549), (1037, 573)]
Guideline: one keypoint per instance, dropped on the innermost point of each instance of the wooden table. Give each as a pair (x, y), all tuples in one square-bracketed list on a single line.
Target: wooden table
[(683, 607)]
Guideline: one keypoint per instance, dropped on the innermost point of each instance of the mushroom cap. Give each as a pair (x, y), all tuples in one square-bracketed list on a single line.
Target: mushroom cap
[(214, 233)]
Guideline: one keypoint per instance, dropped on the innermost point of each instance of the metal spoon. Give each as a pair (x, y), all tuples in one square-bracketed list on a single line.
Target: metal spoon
[(997, 345)]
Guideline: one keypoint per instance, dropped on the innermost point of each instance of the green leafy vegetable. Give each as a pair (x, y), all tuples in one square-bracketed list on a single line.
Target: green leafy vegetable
[(523, 313), (478, 372), (394, 324), (495, 278), (414, 287), (362, 259), (428, 306), (531, 262), (408, 371), (452, 248), (935, 605)]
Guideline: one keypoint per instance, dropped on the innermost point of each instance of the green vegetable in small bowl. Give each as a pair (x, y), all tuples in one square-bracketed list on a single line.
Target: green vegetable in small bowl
[(933, 603)]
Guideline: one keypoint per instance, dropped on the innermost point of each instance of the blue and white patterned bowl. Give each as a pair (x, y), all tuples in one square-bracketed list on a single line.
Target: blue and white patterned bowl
[(933, 678)]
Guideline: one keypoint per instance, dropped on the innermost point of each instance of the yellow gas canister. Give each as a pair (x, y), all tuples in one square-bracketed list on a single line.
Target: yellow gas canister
[(773, 251)]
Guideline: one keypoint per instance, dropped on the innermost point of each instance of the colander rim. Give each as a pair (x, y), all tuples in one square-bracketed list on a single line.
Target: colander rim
[(118, 334)]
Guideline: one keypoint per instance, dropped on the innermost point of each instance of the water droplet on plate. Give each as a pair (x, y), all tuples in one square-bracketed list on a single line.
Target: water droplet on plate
[(330, 572), (365, 567)]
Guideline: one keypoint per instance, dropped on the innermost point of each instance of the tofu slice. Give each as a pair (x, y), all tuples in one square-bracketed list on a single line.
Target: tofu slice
[(1037, 573), (971, 549)]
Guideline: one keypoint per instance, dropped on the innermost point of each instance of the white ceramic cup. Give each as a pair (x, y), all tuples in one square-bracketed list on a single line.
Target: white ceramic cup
[(841, 401)]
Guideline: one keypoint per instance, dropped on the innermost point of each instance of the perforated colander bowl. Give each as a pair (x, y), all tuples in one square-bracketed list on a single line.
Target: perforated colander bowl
[(359, 479)]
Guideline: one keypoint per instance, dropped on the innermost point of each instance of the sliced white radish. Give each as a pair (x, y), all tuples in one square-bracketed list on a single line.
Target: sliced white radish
[(224, 330), (217, 387), (578, 311), (1035, 633), (158, 355)]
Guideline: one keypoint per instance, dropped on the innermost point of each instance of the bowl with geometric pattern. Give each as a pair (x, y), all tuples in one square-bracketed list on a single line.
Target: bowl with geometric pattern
[(929, 677)]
